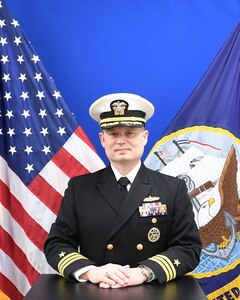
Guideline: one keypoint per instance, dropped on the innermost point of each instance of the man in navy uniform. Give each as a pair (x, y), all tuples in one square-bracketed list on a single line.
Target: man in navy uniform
[(125, 224)]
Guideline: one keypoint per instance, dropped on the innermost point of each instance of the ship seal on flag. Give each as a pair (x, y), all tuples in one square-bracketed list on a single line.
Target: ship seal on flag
[(212, 184)]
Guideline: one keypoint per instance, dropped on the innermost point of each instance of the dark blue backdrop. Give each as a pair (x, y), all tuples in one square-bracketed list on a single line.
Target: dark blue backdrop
[(159, 49)]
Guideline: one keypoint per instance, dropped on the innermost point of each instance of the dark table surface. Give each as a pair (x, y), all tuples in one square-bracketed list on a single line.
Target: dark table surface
[(54, 287)]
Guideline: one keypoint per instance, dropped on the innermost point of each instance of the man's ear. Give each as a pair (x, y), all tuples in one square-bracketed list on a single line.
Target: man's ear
[(101, 137), (145, 136)]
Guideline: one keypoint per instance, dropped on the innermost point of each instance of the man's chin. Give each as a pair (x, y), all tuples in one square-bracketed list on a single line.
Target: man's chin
[(122, 158)]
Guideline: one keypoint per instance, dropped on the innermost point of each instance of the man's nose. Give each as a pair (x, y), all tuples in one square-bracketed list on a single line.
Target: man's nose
[(121, 139)]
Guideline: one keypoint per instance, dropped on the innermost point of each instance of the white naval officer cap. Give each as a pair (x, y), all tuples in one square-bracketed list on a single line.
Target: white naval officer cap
[(121, 109)]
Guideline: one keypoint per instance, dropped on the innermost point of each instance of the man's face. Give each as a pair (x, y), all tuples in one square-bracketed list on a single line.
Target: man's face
[(124, 144)]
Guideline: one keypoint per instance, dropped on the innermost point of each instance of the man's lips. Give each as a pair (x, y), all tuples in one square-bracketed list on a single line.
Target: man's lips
[(122, 149)]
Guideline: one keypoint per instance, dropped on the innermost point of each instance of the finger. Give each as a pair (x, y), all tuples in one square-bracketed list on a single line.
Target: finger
[(118, 286), (118, 277), (123, 269), (108, 278), (104, 285)]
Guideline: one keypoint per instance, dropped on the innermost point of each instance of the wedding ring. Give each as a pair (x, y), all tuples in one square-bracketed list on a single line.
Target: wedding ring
[(107, 274)]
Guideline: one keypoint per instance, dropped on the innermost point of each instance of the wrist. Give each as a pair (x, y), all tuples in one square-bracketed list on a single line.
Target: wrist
[(147, 272), (86, 275)]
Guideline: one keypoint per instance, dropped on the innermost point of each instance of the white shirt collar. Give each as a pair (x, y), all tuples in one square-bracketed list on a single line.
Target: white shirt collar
[(131, 175)]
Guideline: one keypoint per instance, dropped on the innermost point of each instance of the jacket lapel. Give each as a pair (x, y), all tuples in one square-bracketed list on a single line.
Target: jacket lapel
[(109, 189), (139, 190)]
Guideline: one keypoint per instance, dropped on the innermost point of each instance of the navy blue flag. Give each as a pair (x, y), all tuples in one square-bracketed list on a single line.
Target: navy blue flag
[(41, 147), (202, 146)]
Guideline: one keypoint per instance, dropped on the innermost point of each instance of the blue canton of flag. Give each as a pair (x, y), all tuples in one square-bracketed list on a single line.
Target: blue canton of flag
[(41, 147), (33, 112)]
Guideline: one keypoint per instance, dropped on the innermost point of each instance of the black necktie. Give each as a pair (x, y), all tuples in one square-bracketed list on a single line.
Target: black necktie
[(123, 182)]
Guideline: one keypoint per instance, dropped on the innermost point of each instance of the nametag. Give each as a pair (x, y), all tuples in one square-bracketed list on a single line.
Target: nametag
[(152, 209)]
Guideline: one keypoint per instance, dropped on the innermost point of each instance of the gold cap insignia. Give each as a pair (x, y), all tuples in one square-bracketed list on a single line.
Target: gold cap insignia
[(119, 107)]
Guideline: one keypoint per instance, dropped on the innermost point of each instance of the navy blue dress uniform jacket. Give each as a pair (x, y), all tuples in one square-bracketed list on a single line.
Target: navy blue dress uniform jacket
[(96, 226)]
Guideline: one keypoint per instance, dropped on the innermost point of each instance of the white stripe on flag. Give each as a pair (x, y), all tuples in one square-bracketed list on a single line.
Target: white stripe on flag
[(9, 270), (83, 153), (35, 256), (33, 206), (55, 177)]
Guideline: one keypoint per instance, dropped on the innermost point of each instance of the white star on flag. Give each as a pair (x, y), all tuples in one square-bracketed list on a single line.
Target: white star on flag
[(6, 77), (28, 149), (9, 114), (22, 77), (44, 131), (29, 168), (12, 150), (42, 113), (59, 112), (2, 23), (15, 23), (7, 96), (56, 94), (25, 113), (61, 130), (17, 40), (35, 58), (20, 59), (40, 95), (38, 77), (4, 59), (3, 41), (46, 150), (11, 132), (24, 95), (27, 131)]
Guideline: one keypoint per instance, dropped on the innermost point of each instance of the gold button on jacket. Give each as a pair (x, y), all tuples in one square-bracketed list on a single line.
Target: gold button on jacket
[(110, 247), (139, 247)]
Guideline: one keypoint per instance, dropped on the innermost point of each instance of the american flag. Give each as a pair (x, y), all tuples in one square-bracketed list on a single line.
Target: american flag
[(41, 147)]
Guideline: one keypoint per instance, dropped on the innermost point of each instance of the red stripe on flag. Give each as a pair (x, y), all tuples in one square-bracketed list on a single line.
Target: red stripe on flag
[(46, 193), (32, 229), (18, 256), (68, 164), (82, 135), (9, 288)]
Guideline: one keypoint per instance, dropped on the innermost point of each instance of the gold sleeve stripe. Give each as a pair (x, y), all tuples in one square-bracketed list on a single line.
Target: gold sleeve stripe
[(170, 266), (166, 264), (68, 260), (162, 265)]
